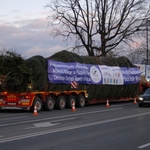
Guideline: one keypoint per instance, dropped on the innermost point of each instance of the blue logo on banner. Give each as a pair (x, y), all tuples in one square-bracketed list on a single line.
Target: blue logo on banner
[(65, 73)]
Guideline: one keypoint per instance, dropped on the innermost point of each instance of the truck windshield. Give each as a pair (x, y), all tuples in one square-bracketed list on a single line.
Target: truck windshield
[(147, 91)]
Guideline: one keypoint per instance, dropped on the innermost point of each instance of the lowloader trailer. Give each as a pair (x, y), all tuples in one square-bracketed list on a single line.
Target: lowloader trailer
[(66, 78)]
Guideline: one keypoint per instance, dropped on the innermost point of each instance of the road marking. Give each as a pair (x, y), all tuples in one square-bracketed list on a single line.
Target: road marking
[(51, 118), (48, 124), (14, 118), (5, 115), (145, 145), (19, 137), (43, 124), (66, 119)]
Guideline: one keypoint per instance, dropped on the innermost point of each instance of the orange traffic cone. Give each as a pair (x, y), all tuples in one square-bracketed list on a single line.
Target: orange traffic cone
[(135, 101), (73, 107), (35, 111), (107, 104)]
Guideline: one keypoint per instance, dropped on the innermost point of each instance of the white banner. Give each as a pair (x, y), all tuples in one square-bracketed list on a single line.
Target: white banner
[(111, 75)]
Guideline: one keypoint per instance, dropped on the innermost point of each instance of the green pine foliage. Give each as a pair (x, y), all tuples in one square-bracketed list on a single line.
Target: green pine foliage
[(39, 72), (97, 91), (17, 74), (20, 73)]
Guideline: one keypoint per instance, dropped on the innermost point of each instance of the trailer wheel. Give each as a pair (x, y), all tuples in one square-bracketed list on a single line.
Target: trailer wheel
[(80, 101), (60, 102), (49, 104), (38, 104), (71, 99)]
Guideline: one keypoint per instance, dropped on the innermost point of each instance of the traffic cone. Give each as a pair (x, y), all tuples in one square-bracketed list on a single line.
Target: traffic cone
[(35, 111), (107, 104), (135, 101), (73, 107)]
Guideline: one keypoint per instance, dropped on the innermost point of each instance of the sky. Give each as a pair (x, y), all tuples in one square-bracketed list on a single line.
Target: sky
[(24, 28)]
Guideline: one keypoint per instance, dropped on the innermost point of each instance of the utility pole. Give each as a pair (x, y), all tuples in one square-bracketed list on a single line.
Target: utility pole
[(147, 24)]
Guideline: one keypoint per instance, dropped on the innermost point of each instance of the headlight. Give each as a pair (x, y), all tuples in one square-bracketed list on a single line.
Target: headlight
[(140, 98), (86, 95)]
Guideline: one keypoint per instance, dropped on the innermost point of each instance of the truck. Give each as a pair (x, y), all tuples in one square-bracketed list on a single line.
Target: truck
[(144, 77), (65, 78)]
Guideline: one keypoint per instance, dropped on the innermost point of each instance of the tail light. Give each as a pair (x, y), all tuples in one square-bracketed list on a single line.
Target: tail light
[(2, 99), (24, 99)]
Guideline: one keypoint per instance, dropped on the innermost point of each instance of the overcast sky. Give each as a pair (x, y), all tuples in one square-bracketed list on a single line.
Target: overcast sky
[(24, 27)]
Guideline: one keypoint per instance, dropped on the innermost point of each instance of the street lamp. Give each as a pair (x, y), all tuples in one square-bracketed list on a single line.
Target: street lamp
[(147, 24)]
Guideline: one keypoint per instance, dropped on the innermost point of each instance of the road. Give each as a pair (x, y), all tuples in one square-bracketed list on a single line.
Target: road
[(122, 126)]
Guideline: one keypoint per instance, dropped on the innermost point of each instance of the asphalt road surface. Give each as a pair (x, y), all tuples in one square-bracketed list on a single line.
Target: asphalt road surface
[(122, 126)]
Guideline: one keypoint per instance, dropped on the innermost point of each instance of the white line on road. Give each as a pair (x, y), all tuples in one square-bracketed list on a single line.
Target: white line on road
[(66, 119), (13, 118), (5, 115), (48, 124), (69, 128), (51, 118), (145, 145), (43, 124)]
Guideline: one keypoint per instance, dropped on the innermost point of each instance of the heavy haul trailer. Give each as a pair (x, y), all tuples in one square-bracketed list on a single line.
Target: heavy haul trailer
[(97, 79), (46, 100)]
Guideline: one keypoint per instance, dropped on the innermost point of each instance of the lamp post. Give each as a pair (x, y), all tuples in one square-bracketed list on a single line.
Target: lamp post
[(147, 24), (147, 69)]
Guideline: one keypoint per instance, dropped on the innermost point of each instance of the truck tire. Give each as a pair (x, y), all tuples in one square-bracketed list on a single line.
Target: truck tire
[(71, 99), (60, 102), (49, 104), (38, 103), (80, 101)]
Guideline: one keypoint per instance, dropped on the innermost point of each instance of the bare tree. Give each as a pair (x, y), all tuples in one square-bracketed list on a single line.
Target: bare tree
[(138, 55), (98, 26)]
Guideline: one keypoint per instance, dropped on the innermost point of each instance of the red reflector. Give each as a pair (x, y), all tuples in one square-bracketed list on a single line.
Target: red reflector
[(11, 99), (27, 96)]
